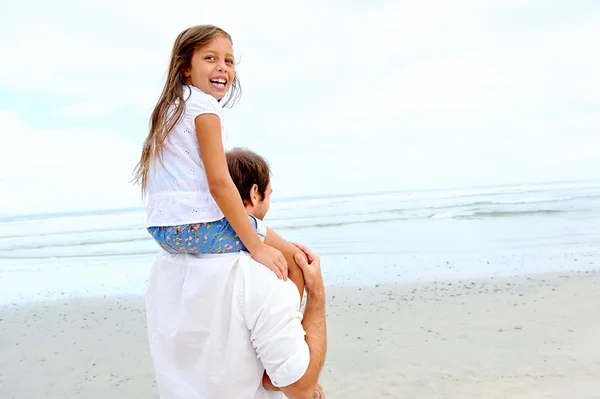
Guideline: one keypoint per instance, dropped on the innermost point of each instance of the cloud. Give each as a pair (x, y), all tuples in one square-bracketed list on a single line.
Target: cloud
[(341, 97), (89, 108), (63, 170)]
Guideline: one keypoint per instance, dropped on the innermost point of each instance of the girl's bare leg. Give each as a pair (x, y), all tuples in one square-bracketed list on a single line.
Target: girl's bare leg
[(289, 250)]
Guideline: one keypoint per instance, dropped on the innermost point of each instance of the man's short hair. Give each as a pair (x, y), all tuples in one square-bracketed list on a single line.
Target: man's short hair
[(247, 169)]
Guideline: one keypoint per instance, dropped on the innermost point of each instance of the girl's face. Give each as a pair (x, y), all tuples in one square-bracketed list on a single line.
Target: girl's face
[(212, 68)]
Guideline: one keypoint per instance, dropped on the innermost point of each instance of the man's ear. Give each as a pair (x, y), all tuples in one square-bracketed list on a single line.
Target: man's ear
[(254, 194)]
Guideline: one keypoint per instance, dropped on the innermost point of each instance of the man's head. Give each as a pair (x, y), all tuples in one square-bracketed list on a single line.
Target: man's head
[(252, 177)]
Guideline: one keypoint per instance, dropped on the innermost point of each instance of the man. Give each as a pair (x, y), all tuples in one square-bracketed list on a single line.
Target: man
[(225, 327), (252, 177)]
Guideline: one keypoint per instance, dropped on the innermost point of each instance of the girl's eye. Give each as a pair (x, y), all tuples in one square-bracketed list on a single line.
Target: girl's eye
[(210, 57), (229, 62)]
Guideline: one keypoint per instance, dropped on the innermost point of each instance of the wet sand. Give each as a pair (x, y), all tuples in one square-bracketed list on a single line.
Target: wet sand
[(522, 337)]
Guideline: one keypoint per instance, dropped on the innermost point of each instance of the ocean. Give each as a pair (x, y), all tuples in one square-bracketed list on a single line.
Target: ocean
[(380, 238)]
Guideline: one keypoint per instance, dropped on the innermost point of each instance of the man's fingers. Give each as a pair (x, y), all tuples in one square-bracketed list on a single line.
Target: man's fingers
[(309, 254), (302, 247), (300, 260)]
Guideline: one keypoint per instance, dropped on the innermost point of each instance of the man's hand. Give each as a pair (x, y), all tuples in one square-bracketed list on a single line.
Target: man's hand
[(312, 270), (319, 392), (268, 385)]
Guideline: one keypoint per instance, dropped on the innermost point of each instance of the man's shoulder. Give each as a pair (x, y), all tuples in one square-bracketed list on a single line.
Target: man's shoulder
[(259, 281), (262, 282), (256, 270), (167, 259)]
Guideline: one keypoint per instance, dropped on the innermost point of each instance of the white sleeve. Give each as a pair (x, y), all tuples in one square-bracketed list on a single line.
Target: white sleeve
[(274, 320), (198, 103)]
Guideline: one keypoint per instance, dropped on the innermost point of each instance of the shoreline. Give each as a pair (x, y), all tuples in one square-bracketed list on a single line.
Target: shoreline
[(532, 336), (32, 282)]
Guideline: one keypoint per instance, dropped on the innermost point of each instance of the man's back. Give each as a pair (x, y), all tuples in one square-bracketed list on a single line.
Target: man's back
[(216, 322)]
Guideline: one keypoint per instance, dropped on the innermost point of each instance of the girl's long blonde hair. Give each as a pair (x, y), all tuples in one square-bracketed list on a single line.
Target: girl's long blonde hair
[(163, 121)]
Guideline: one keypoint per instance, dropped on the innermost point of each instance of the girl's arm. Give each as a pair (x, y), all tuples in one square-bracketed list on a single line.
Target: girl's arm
[(227, 197)]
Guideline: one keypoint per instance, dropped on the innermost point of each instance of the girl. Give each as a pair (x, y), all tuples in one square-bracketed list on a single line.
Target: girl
[(193, 204)]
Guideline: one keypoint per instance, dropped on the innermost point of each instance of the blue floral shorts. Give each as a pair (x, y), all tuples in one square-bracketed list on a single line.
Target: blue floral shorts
[(203, 238)]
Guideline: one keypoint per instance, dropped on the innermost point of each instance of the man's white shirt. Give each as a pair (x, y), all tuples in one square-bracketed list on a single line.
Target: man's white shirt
[(217, 322)]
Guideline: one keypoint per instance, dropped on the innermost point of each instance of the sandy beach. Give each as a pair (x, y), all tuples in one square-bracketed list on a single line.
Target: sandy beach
[(523, 337)]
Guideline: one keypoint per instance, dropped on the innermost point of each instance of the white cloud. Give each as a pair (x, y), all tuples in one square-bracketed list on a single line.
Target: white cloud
[(63, 170), (340, 96), (89, 108)]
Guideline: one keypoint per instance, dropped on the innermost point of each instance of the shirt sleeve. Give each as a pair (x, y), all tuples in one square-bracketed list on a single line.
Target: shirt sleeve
[(274, 320), (198, 103)]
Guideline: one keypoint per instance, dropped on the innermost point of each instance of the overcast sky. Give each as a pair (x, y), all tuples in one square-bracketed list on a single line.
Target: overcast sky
[(340, 96)]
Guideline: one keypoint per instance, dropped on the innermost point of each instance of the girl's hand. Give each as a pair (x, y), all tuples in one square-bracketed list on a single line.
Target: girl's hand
[(271, 258)]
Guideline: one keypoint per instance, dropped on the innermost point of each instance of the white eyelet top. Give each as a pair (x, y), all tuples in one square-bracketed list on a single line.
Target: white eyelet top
[(178, 191)]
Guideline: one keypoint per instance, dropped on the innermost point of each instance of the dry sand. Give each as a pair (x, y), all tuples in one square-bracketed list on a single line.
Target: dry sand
[(526, 337)]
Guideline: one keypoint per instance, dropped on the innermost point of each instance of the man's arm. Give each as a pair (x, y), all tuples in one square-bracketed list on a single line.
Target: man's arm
[(316, 338), (319, 393), (314, 326), (292, 351), (267, 384)]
